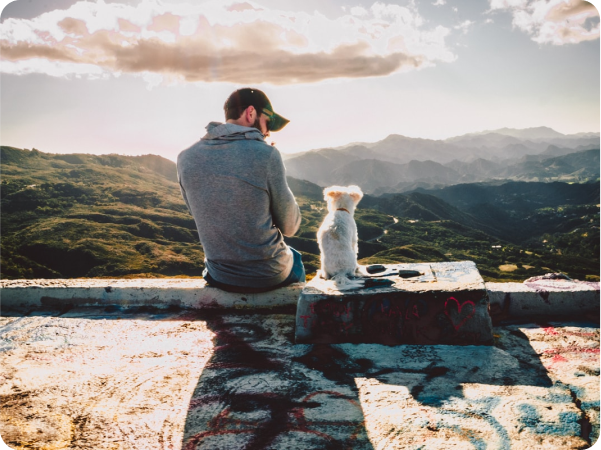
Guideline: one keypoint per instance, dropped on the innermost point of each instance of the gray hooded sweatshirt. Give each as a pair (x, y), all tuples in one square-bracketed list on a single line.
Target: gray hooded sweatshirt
[(235, 187)]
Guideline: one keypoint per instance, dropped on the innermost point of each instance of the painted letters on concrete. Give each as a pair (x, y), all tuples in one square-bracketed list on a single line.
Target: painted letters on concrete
[(447, 304)]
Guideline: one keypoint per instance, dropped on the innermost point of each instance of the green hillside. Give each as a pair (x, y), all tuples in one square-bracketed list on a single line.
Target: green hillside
[(91, 216), (561, 218), (81, 215)]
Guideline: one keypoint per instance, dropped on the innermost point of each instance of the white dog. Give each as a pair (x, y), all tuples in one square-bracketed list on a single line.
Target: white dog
[(337, 236)]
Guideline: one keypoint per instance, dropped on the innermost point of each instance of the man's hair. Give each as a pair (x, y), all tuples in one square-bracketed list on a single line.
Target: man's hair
[(234, 112), (241, 99)]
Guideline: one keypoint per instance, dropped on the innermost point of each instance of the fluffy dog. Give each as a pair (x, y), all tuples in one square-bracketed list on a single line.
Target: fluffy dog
[(337, 236)]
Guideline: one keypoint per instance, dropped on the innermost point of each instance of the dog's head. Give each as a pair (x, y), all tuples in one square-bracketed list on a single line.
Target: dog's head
[(345, 197)]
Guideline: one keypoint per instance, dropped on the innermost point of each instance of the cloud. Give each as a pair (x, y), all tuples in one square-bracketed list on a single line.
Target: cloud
[(239, 42), (464, 26), (359, 11), (556, 22)]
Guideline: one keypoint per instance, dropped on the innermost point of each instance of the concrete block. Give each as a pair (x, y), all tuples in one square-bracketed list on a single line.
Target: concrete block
[(158, 292), (543, 297), (448, 304)]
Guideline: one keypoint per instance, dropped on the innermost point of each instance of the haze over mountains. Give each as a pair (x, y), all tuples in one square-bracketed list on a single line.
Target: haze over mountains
[(400, 164)]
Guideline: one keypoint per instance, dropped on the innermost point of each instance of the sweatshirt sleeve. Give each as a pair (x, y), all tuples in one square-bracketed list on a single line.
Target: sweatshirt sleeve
[(284, 209), (183, 191), (181, 188)]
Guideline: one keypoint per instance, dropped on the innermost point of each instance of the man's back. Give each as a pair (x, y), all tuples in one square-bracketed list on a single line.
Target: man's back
[(235, 187)]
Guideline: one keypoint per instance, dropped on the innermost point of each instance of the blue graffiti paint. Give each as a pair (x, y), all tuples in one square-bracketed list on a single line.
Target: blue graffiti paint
[(482, 410), (478, 443), (528, 416), (567, 423)]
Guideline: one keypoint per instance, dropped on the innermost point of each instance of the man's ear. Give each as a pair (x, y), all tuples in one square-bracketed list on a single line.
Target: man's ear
[(248, 114)]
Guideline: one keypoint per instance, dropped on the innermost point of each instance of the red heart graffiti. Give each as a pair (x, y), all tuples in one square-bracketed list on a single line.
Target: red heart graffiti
[(459, 307)]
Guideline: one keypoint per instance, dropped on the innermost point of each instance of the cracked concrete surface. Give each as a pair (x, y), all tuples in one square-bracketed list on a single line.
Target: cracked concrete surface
[(154, 379)]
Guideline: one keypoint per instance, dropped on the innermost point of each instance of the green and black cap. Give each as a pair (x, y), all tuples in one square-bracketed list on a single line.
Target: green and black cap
[(245, 97)]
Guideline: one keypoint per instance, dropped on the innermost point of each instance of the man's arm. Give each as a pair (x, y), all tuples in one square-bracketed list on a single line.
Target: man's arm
[(181, 188), (284, 209)]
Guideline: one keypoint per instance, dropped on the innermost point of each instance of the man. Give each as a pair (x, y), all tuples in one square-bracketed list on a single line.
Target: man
[(234, 184)]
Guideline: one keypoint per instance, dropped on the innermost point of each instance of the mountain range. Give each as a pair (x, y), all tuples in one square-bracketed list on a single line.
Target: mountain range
[(81, 215), (400, 164)]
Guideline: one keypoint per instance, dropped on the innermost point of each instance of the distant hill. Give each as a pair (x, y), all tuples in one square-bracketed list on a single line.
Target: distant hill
[(518, 196), (399, 164), (520, 211), (317, 166), (580, 166), (577, 167), (540, 133)]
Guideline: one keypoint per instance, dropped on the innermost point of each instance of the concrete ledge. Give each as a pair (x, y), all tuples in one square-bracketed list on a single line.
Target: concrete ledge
[(543, 297), (548, 297), (159, 292)]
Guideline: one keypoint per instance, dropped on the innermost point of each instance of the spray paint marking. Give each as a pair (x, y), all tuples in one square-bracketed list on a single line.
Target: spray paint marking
[(468, 316)]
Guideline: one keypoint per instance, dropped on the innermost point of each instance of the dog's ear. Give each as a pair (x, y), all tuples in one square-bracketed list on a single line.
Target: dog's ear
[(356, 193), (332, 192)]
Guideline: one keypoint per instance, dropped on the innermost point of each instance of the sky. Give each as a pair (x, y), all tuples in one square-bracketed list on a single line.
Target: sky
[(138, 77)]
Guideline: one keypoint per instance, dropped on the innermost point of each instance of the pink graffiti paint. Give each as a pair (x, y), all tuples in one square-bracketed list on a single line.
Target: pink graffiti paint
[(299, 423), (305, 318), (550, 330), (462, 322), (557, 359), (414, 312), (571, 349), (331, 308)]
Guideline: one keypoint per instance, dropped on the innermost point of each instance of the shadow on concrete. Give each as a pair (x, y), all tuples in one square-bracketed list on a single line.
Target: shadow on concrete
[(259, 390), (433, 374), (254, 393)]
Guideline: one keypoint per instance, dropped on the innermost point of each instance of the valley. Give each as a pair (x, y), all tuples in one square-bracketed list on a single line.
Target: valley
[(80, 215)]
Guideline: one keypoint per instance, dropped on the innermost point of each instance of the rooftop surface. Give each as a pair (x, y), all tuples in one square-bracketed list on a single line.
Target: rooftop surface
[(121, 377)]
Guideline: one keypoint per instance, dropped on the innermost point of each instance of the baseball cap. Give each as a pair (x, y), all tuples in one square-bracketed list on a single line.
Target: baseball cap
[(246, 97)]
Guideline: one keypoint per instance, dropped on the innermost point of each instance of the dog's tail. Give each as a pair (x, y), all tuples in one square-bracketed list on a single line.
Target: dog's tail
[(344, 283)]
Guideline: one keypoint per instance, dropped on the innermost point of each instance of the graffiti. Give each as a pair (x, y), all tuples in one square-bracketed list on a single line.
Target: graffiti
[(395, 319), (408, 310), (561, 423), (465, 318), (283, 416), (388, 319), (570, 349), (544, 288), (558, 285), (552, 331), (305, 317), (249, 399), (336, 309), (481, 417)]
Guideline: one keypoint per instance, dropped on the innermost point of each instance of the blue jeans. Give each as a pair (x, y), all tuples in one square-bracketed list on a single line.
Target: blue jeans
[(297, 275)]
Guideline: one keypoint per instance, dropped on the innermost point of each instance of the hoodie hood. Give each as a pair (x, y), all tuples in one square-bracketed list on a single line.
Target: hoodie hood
[(231, 132)]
